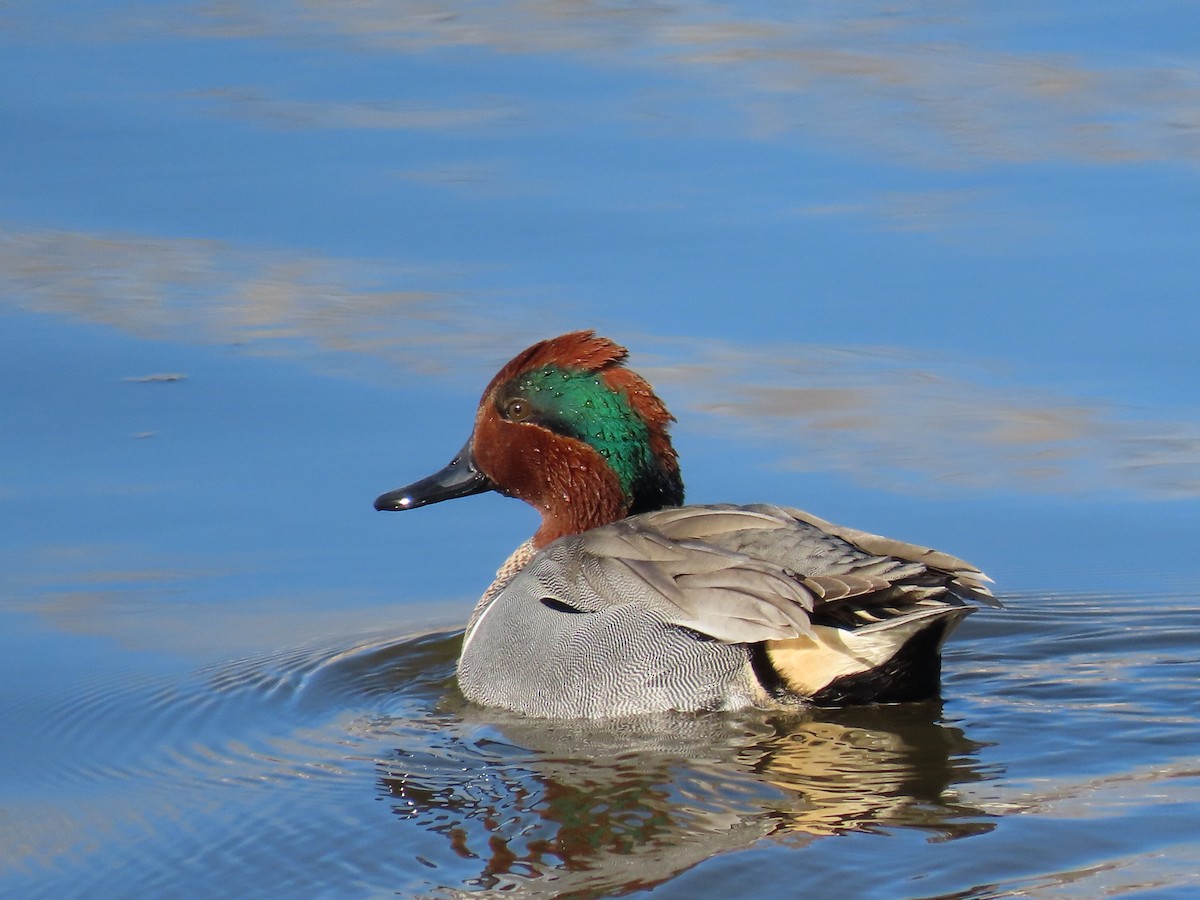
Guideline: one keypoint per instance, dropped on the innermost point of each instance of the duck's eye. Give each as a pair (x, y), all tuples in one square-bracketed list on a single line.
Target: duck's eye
[(517, 409)]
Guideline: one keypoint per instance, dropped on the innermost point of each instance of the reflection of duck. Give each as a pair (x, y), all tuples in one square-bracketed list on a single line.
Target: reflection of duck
[(624, 602), (867, 767), (595, 809)]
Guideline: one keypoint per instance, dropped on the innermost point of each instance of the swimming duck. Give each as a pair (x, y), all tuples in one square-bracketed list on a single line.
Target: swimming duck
[(625, 601)]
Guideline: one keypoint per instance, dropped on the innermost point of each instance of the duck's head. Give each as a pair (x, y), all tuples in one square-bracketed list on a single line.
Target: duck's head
[(567, 428)]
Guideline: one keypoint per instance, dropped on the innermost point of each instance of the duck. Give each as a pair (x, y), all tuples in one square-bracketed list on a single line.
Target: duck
[(626, 601)]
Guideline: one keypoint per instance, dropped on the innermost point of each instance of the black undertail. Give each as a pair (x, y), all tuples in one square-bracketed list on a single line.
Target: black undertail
[(913, 674)]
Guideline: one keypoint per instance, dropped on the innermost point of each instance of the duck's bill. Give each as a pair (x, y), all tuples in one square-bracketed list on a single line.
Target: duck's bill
[(460, 478)]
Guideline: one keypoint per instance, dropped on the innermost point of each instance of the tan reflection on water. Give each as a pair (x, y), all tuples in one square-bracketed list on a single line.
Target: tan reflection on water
[(901, 80), (887, 416), (209, 291), (257, 106), (882, 415)]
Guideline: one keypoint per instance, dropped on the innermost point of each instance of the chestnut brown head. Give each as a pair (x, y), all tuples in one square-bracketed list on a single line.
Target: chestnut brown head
[(567, 428)]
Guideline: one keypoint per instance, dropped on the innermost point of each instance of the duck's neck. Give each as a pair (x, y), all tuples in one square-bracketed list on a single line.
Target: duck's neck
[(584, 492), (579, 494)]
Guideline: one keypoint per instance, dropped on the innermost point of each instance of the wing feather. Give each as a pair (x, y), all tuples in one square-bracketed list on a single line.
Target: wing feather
[(759, 573)]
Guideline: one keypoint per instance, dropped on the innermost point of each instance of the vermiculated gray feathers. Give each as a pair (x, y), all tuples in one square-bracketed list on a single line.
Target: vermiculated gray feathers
[(658, 611)]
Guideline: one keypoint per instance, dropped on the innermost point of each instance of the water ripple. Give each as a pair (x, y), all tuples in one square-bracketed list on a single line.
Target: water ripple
[(359, 761)]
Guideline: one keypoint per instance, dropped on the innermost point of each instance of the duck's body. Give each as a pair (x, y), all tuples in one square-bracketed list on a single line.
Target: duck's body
[(603, 613)]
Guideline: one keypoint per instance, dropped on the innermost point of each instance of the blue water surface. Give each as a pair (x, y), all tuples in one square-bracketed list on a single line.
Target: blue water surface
[(928, 270)]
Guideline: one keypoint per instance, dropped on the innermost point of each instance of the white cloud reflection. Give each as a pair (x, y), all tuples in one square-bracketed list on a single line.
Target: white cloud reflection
[(876, 414)]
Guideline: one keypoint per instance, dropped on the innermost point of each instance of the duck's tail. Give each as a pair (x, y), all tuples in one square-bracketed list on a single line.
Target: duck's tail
[(894, 660)]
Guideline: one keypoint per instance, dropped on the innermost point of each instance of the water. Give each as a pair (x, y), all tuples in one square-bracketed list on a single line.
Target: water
[(925, 270), (357, 764)]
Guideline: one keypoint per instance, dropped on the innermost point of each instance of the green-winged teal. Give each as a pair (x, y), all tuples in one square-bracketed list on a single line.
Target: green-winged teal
[(625, 601)]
